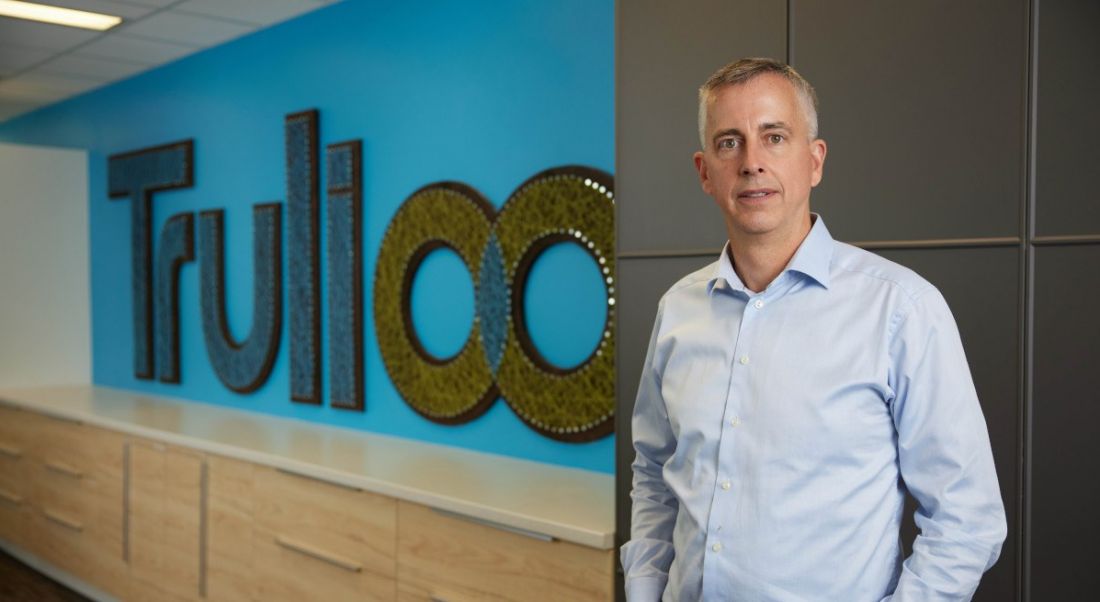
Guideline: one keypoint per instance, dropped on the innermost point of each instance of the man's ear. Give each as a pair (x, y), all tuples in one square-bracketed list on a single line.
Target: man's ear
[(818, 148), (704, 177)]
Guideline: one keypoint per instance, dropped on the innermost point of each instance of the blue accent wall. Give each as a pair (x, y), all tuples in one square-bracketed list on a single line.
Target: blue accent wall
[(484, 92)]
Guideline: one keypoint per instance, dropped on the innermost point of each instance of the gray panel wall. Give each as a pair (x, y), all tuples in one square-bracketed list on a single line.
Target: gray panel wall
[(922, 105), (1069, 86), (658, 74), (1065, 451), (1065, 456), (962, 141)]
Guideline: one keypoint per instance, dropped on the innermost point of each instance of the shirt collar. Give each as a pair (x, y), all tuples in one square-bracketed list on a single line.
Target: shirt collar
[(724, 272), (815, 254), (812, 259)]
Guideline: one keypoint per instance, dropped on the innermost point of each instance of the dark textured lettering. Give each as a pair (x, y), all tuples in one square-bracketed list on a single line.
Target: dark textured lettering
[(137, 175), (242, 367), (343, 230), (176, 247), (300, 131)]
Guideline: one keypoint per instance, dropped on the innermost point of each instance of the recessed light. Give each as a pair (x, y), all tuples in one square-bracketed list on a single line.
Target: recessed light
[(57, 15)]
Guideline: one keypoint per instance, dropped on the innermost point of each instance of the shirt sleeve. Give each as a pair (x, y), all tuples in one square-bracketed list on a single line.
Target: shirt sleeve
[(945, 457), (647, 556)]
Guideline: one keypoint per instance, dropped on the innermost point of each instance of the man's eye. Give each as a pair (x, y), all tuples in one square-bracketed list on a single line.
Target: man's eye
[(775, 138), (727, 143)]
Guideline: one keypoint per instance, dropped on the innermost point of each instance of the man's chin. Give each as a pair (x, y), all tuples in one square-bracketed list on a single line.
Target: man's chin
[(755, 226)]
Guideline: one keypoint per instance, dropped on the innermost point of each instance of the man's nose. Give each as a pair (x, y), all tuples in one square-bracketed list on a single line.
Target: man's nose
[(750, 164)]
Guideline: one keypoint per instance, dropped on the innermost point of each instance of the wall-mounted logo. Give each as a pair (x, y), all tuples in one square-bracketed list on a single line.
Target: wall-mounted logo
[(498, 359)]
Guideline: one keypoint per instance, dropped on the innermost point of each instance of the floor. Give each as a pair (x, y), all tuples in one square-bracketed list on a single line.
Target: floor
[(20, 583)]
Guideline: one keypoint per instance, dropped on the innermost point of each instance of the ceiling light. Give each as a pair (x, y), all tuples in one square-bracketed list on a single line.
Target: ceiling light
[(57, 15)]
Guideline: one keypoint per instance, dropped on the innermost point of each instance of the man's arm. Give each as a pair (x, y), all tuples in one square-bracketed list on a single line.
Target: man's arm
[(648, 555), (945, 458)]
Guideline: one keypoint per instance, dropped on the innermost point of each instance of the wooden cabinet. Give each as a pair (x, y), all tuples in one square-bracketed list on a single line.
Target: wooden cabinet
[(320, 540), (448, 559), (146, 521), (79, 493), (165, 527), (230, 573), (61, 495), (14, 490)]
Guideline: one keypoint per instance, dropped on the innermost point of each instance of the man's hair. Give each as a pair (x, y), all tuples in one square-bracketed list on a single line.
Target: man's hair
[(743, 70)]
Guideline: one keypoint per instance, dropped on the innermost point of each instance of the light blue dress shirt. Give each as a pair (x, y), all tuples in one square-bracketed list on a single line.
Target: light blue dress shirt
[(776, 434)]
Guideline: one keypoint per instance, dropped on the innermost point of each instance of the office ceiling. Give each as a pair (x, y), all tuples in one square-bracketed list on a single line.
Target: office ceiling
[(41, 64)]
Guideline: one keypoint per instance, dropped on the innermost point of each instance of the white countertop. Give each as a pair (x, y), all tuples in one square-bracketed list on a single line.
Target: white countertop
[(563, 503)]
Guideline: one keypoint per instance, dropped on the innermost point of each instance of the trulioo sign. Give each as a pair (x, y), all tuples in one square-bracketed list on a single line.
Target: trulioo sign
[(498, 359)]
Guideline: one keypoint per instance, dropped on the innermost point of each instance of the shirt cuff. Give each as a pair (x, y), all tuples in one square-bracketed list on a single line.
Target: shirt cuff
[(645, 589)]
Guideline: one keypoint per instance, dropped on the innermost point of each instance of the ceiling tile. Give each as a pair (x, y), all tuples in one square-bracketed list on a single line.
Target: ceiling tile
[(17, 58), (175, 27), (42, 35), (90, 67), (149, 36), (259, 13), (125, 10), (137, 50)]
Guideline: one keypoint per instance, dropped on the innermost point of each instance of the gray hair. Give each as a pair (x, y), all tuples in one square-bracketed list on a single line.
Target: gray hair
[(743, 70)]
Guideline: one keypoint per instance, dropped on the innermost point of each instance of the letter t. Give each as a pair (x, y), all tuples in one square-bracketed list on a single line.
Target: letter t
[(137, 175)]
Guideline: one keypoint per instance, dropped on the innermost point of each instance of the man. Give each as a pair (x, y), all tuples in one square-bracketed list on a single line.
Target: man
[(794, 391)]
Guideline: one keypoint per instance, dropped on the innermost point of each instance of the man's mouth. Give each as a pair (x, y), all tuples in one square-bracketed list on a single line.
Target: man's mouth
[(756, 193)]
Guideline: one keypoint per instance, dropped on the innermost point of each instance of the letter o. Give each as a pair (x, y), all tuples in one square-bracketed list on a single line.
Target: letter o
[(499, 358), (455, 389), (564, 204)]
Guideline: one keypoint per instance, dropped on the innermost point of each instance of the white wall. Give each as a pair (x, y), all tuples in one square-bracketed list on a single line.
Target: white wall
[(45, 332)]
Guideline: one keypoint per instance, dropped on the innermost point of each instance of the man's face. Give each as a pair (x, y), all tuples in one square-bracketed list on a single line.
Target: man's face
[(759, 163)]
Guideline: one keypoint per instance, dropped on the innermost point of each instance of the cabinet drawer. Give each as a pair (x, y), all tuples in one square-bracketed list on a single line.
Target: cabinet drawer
[(63, 496), (77, 504), (452, 559), (318, 540), (64, 539), (12, 438), (15, 514), (64, 447), (80, 477), (15, 458), (14, 488), (13, 474), (12, 431)]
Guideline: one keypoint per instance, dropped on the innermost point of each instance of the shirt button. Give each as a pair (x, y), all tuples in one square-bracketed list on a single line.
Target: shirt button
[(726, 485), (735, 422), (744, 360), (717, 547), (759, 304)]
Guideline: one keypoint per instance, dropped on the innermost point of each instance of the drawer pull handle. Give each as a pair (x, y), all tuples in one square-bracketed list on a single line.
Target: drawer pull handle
[(12, 452), (64, 469), (10, 497), (63, 521), (308, 550)]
